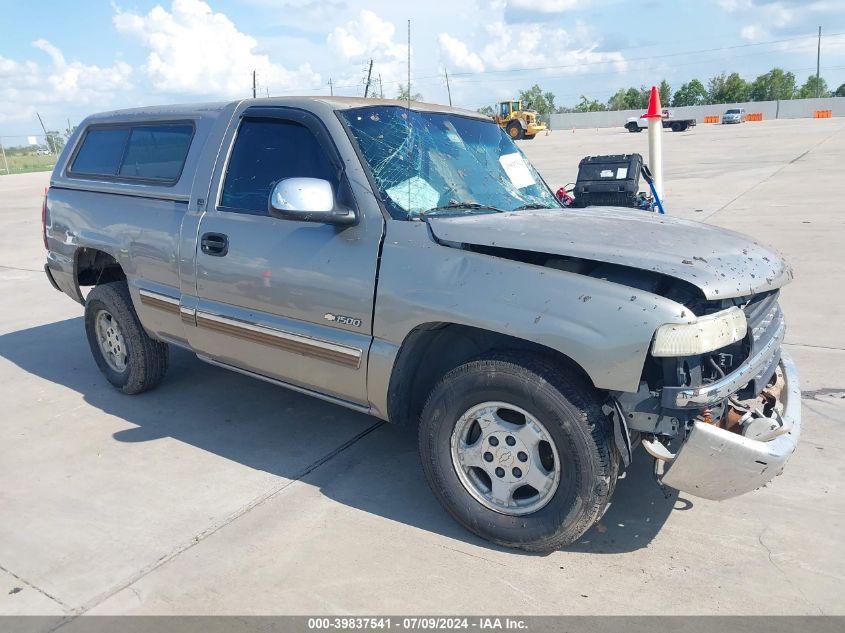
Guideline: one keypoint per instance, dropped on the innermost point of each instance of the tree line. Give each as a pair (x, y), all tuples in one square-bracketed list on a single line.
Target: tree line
[(777, 84)]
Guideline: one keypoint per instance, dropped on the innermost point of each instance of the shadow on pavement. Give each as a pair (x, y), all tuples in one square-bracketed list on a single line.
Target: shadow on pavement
[(254, 423)]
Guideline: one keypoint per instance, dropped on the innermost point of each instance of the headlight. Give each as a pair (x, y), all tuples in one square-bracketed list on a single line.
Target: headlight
[(708, 333)]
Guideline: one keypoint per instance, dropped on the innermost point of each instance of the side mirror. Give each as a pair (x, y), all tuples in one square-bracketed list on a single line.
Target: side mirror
[(307, 200)]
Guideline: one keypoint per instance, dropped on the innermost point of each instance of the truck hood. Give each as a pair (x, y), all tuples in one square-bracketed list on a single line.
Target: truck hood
[(721, 263)]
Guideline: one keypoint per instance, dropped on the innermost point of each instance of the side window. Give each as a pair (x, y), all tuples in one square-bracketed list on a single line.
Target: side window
[(266, 151), (157, 151), (101, 152), (134, 152)]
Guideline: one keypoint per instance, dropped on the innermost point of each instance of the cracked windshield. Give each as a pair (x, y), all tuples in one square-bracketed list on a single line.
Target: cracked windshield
[(427, 163)]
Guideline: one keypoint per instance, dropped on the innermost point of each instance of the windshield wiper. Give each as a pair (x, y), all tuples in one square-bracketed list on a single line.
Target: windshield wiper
[(532, 205), (461, 206)]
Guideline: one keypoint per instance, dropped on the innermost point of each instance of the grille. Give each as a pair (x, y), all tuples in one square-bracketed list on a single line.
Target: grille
[(761, 313)]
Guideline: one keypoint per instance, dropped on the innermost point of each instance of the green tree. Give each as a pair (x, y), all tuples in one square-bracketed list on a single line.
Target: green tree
[(808, 90), (775, 84), (736, 89), (589, 105), (402, 95), (665, 93), (487, 110), (726, 88), (840, 91), (691, 93), (55, 141), (534, 98)]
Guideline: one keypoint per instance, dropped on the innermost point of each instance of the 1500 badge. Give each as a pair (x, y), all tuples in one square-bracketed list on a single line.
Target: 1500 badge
[(343, 320)]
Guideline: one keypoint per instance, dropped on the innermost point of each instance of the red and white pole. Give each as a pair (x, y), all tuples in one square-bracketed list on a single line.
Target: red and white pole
[(655, 138)]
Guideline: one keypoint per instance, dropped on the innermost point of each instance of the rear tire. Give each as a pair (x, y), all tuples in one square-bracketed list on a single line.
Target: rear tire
[(676, 127), (633, 127), (129, 358), (504, 394)]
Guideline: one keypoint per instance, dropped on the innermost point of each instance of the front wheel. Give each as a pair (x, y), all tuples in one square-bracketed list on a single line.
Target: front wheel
[(518, 451), (515, 130), (633, 127)]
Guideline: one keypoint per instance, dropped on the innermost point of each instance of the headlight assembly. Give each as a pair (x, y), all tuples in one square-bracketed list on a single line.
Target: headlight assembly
[(708, 333)]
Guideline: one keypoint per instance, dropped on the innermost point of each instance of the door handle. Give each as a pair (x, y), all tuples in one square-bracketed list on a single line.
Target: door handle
[(214, 244)]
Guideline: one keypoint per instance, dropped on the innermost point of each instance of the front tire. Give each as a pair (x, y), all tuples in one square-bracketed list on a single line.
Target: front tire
[(129, 358), (518, 451), (515, 131)]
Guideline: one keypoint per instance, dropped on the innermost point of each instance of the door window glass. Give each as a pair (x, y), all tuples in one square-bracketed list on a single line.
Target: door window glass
[(265, 152)]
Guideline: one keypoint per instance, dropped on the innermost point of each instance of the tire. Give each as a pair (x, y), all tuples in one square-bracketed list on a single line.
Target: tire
[(515, 130), (139, 362), (633, 127), (579, 438), (528, 137), (676, 127)]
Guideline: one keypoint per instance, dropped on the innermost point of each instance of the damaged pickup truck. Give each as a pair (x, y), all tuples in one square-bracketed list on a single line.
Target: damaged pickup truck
[(407, 261)]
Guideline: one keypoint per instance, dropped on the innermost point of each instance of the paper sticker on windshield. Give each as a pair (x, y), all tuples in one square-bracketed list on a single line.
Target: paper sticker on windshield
[(516, 169), (621, 172), (414, 195)]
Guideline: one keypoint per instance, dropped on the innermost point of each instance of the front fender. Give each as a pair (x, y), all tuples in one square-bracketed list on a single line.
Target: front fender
[(606, 328)]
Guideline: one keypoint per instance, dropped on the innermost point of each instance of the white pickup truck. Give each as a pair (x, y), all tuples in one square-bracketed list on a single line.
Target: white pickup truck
[(638, 124)]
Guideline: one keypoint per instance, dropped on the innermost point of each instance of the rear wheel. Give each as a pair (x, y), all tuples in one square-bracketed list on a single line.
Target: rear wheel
[(676, 127), (518, 451), (633, 127), (129, 358), (515, 130)]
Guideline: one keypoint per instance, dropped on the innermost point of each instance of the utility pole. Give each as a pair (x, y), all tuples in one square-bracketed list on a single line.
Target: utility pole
[(380, 86), (5, 162), (253, 84), (46, 136), (331, 87), (818, 64), (369, 74), (448, 90)]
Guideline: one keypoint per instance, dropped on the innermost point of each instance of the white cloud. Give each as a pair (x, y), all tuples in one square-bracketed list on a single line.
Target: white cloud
[(504, 46), (459, 55), (26, 86), (367, 36), (547, 6), (193, 50), (361, 39), (753, 32)]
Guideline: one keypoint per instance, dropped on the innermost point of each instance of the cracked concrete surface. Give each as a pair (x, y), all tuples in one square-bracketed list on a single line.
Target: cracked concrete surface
[(219, 494)]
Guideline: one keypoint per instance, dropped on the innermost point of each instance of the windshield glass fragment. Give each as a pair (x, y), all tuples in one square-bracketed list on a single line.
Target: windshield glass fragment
[(427, 163)]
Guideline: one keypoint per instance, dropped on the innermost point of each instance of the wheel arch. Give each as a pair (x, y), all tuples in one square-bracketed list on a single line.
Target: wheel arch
[(432, 349), (92, 267)]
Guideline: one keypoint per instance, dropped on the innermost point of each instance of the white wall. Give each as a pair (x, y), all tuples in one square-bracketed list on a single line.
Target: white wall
[(790, 109)]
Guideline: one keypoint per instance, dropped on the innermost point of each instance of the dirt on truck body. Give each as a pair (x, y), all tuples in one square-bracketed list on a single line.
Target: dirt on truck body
[(410, 263)]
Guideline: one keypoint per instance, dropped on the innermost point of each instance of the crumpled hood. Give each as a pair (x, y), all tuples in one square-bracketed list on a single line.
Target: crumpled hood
[(721, 263)]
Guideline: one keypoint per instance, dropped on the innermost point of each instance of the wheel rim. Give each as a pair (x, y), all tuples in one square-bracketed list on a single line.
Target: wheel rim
[(514, 132), (111, 341), (505, 458)]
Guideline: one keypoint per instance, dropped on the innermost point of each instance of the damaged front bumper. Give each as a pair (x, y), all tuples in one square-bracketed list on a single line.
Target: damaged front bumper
[(715, 463)]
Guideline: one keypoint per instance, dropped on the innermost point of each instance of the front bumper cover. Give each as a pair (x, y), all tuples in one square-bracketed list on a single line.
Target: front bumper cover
[(713, 463)]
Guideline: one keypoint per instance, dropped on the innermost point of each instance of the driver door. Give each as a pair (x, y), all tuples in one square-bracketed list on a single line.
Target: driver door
[(288, 300)]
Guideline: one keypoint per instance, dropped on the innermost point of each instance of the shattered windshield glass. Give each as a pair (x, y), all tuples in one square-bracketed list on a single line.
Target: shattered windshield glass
[(427, 163)]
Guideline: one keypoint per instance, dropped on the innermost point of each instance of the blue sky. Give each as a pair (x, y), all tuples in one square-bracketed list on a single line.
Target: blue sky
[(67, 59)]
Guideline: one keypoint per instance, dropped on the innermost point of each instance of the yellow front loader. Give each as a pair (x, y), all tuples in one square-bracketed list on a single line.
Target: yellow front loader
[(518, 123)]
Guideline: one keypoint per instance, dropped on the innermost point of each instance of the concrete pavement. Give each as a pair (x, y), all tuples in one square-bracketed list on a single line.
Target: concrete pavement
[(218, 494)]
